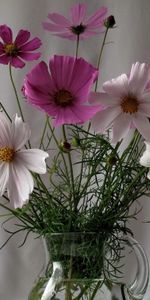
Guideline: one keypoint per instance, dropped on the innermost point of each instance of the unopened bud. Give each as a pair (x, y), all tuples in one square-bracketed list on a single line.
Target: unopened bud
[(65, 146), (111, 160), (109, 22), (75, 142)]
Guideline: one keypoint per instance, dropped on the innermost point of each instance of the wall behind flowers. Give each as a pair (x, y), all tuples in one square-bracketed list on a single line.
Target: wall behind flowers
[(128, 43)]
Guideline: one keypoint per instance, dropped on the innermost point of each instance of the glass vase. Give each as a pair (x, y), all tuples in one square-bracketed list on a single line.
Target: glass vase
[(79, 266)]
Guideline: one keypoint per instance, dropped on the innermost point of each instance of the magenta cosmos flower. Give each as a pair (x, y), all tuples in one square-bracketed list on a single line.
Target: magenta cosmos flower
[(16, 161), (127, 104), (63, 94), (78, 24), (15, 52)]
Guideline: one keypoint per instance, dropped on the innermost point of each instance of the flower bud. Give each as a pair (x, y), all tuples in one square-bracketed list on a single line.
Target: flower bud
[(65, 146), (109, 22), (111, 160), (75, 142)]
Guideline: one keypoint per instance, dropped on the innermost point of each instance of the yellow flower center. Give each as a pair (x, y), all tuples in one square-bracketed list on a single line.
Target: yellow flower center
[(129, 104), (63, 98), (10, 49), (6, 154)]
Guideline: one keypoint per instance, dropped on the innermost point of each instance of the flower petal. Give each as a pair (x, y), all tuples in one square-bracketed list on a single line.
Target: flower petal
[(20, 133), (145, 159), (4, 175), (22, 37), (102, 98), (6, 34), (17, 62), (59, 19), (53, 27), (65, 72), (78, 12), (121, 127), (4, 59), (39, 79), (139, 77), (33, 160), (20, 185), (97, 18), (144, 109), (30, 56), (5, 131), (104, 119), (117, 87), (31, 45), (143, 126)]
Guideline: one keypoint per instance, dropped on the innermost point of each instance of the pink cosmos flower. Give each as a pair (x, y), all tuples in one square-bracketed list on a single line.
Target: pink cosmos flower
[(127, 104), (15, 161), (63, 94), (14, 52), (78, 24)]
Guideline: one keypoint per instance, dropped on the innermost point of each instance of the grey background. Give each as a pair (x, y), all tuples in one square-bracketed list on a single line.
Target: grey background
[(128, 43)]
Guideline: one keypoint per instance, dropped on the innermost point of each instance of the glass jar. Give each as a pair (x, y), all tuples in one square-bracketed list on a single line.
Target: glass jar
[(79, 266)]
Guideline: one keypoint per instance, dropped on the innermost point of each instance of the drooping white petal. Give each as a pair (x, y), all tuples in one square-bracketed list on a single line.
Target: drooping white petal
[(33, 159), (121, 127), (104, 119), (4, 175), (147, 144), (148, 174), (143, 126), (20, 184), (145, 159), (102, 98), (139, 77), (20, 132), (5, 131), (53, 281), (117, 87)]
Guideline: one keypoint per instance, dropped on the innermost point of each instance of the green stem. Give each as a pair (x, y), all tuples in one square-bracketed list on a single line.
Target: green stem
[(15, 90), (77, 45), (55, 139), (70, 163), (3, 108), (44, 130), (99, 284), (98, 65), (100, 56)]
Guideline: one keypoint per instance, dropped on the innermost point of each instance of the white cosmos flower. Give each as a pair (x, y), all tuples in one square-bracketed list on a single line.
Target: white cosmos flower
[(16, 161), (126, 101), (145, 158)]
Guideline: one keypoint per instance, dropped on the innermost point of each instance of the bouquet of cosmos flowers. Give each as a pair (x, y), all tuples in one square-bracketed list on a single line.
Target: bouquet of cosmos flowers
[(91, 181)]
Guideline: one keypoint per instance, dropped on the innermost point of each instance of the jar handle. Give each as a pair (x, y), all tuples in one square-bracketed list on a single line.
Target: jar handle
[(137, 288)]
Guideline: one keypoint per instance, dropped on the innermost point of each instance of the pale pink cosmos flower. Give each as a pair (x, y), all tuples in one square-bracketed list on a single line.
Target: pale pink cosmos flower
[(16, 161), (79, 24), (127, 104), (18, 50), (63, 94)]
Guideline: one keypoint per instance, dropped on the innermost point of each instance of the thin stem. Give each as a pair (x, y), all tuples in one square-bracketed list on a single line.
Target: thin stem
[(6, 113), (100, 56), (17, 97), (122, 292), (98, 285), (77, 45), (98, 65), (55, 139), (70, 162), (44, 130), (15, 90)]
